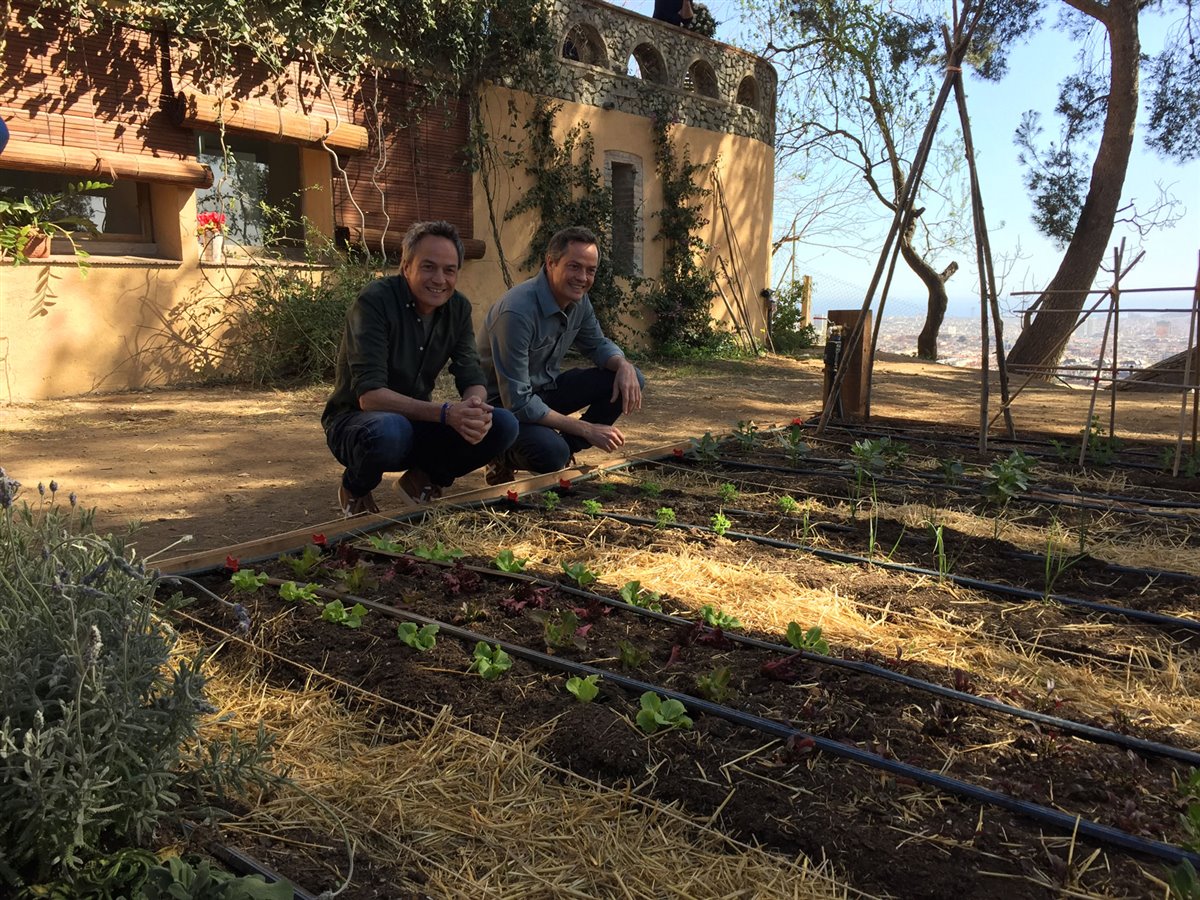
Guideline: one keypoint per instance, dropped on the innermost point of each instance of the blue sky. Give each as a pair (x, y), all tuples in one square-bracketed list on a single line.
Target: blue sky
[(1035, 70)]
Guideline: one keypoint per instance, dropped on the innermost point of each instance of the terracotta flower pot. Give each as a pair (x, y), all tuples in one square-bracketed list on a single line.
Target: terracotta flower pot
[(37, 245)]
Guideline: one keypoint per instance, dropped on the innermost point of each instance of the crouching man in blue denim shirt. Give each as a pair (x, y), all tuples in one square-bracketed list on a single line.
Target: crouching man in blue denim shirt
[(399, 334), (522, 345)]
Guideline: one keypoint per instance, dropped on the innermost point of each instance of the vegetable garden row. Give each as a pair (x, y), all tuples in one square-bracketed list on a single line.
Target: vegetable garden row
[(946, 675)]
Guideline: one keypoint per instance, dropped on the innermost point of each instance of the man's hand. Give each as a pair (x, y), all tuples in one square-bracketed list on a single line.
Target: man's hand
[(625, 385), (605, 437), (471, 418)]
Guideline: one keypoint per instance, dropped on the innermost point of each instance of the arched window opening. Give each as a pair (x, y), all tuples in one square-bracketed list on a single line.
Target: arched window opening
[(584, 44), (747, 94), (701, 79)]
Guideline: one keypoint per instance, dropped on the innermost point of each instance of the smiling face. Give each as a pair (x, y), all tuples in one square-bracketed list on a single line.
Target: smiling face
[(431, 270), (572, 274)]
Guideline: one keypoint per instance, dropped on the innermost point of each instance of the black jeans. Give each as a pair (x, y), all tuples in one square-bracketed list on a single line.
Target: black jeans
[(371, 443), (539, 448)]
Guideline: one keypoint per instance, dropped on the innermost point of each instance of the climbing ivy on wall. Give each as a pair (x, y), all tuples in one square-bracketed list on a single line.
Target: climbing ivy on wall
[(682, 298), (568, 190), (446, 46)]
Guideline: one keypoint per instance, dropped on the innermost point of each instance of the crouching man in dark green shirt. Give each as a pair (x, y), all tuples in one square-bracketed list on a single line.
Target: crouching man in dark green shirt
[(399, 334)]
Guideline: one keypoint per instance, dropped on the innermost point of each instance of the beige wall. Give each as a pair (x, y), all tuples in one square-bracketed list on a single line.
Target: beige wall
[(745, 167), (140, 322), (128, 322)]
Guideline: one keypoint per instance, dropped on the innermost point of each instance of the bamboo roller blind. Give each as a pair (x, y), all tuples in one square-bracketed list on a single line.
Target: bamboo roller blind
[(104, 166), (193, 109)]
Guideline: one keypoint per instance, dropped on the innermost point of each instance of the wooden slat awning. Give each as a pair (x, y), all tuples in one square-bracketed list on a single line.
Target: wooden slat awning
[(103, 166), (193, 109)]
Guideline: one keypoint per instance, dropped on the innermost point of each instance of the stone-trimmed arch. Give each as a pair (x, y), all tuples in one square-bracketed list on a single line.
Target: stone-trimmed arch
[(584, 43), (651, 65), (748, 93), (701, 79)]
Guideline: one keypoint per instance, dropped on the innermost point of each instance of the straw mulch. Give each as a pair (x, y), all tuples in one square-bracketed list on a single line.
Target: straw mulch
[(1158, 683), (474, 816)]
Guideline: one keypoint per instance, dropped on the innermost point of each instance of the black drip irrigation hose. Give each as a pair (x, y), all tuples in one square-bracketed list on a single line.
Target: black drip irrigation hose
[(1069, 726), (973, 444), (1031, 497), (1075, 825), (244, 864), (989, 587)]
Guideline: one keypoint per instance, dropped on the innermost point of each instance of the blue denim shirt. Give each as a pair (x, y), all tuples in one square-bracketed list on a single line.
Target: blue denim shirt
[(524, 339)]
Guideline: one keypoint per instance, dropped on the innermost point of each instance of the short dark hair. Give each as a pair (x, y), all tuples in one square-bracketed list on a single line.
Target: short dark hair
[(439, 228), (557, 248)]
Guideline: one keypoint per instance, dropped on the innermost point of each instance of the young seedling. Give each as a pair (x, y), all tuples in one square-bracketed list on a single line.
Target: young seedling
[(437, 553), (580, 574), (1190, 817), (460, 580), (791, 439), (634, 594), (810, 640), (293, 592), (787, 504), (490, 662), (1057, 560), (705, 449), (651, 488), (335, 612), (550, 501), (1007, 478), (1183, 882), (607, 488), (664, 516), (592, 507), (939, 549), (745, 434), (727, 492), (355, 579), (584, 689), (247, 581), (421, 639), (720, 524), (714, 618), (303, 565), (505, 561), (952, 470), (383, 544), (715, 685), (657, 714), (561, 631), (631, 657)]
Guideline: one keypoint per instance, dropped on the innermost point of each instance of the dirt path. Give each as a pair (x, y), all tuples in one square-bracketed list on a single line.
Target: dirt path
[(228, 464)]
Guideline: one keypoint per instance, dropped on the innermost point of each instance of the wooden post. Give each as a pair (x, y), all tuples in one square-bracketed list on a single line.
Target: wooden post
[(1087, 425), (1193, 349), (806, 301), (851, 379), (1118, 255)]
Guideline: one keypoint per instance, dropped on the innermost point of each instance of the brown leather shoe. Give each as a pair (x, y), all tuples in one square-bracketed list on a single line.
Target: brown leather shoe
[(352, 506), (499, 472), (418, 487)]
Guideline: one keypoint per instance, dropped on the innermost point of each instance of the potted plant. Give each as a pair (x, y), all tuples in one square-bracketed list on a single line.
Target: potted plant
[(27, 223), (210, 230)]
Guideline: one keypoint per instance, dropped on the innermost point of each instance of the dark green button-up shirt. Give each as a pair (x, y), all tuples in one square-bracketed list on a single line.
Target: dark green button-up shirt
[(385, 345)]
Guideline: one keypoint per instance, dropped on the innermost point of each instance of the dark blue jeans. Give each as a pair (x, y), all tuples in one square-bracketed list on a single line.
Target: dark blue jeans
[(540, 448), (371, 443)]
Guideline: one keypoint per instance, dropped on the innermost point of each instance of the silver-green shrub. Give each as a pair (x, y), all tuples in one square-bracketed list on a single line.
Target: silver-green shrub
[(94, 708)]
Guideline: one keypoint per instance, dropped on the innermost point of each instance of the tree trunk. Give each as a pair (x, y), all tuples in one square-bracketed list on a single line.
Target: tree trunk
[(1042, 343), (935, 285)]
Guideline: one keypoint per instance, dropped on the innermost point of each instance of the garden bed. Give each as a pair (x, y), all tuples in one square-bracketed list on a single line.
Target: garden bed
[(887, 831)]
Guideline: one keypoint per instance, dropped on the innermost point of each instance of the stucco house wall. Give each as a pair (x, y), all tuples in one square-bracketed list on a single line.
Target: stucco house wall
[(150, 314)]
